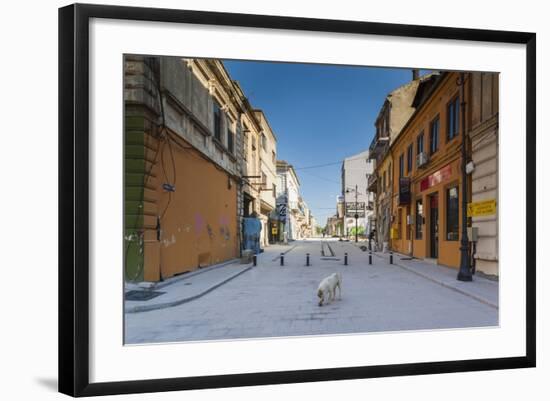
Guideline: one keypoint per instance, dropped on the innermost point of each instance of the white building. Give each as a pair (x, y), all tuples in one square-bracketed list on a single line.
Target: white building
[(358, 200), (288, 202)]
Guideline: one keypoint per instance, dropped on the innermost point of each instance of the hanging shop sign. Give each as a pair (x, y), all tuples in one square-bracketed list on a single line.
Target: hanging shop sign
[(438, 177), (355, 208), (281, 209)]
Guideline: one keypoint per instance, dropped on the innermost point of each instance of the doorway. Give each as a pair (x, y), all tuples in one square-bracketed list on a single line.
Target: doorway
[(434, 225)]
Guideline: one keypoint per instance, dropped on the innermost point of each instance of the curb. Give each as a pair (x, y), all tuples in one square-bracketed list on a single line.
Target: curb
[(443, 284), (146, 308)]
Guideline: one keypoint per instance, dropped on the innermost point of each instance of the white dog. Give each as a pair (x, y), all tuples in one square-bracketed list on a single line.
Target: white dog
[(328, 286)]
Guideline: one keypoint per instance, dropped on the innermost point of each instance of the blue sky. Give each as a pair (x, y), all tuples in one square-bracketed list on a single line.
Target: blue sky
[(320, 114)]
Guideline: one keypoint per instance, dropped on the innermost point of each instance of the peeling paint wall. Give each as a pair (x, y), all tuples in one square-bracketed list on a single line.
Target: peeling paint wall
[(198, 224)]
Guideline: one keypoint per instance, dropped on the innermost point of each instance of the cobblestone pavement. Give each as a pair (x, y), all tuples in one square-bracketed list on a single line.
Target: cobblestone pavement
[(272, 300)]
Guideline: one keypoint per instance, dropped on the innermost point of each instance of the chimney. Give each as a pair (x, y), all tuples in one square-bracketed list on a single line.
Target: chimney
[(416, 74)]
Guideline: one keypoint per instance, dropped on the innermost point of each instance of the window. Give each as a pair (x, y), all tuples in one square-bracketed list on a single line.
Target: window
[(273, 157), (264, 180), (401, 165), (384, 181), (420, 143), (419, 219), (245, 145), (410, 158), (217, 121), (434, 135), (230, 142), (453, 113), (452, 214), (264, 142), (274, 190)]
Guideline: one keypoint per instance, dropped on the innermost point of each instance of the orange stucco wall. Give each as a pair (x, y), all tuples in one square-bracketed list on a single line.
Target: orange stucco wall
[(446, 157), (198, 221)]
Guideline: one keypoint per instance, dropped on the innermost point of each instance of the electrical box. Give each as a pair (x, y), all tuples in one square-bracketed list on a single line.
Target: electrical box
[(472, 234)]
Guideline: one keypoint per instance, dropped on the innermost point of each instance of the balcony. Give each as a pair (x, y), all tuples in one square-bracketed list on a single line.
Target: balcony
[(378, 146), (371, 182)]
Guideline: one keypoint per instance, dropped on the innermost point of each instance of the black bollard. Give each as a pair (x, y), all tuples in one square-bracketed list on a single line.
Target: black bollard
[(370, 257), (346, 259), (307, 259), (254, 261), (282, 259), (391, 258)]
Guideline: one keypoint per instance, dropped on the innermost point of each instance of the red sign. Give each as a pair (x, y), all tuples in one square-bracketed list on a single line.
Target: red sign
[(436, 178)]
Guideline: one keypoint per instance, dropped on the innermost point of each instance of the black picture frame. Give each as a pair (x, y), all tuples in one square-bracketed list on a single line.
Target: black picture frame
[(74, 198)]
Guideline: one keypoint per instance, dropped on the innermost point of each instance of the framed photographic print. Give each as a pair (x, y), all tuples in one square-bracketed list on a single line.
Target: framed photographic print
[(251, 199)]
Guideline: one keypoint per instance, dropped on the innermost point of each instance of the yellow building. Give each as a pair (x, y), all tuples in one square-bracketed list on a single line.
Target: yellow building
[(394, 114), (427, 213), (188, 128)]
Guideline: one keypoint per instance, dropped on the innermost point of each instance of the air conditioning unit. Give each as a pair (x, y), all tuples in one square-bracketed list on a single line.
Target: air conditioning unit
[(421, 159)]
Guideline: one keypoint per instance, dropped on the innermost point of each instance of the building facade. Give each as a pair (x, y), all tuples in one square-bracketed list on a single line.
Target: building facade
[(288, 193), (180, 132), (198, 159), (427, 213), (358, 199), (483, 135), (394, 114), (268, 180)]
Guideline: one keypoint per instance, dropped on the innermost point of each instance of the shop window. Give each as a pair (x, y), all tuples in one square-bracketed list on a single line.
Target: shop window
[(452, 214), (419, 219)]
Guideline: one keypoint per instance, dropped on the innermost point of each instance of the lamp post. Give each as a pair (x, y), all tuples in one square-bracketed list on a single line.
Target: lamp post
[(464, 273), (356, 214)]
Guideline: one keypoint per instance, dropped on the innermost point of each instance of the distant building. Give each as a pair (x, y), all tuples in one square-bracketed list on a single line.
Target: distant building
[(288, 200), (268, 180), (357, 199)]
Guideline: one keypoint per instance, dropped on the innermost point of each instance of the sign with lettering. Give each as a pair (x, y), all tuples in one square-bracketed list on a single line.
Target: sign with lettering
[(438, 177), (482, 208), (281, 209), (355, 206)]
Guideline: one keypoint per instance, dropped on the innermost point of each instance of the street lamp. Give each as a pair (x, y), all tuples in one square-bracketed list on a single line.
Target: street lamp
[(348, 190), (464, 274)]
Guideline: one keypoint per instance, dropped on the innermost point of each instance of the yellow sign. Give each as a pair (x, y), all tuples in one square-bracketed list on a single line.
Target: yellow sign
[(394, 233), (273, 231), (483, 208)]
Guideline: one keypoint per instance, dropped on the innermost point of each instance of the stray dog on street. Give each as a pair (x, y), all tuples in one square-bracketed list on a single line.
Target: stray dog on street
[(327, 288)]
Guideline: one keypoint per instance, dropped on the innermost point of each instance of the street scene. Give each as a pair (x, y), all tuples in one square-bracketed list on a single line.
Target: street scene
[(271, 200), (271, 300)]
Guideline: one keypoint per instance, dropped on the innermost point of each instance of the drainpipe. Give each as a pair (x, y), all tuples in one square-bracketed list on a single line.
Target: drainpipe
[(464, 274)]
